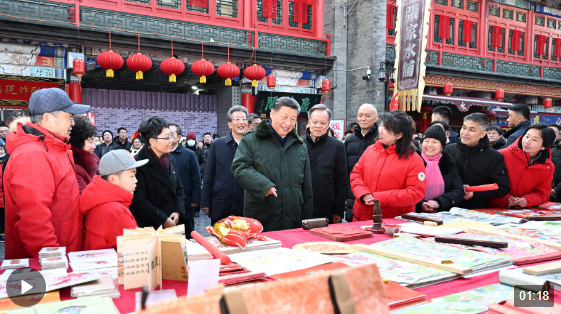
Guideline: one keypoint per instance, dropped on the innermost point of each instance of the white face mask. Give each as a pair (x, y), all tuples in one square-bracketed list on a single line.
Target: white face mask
[(191, 142), (96, 143)]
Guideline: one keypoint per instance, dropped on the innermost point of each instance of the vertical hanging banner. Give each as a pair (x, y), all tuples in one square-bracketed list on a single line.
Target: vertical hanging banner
[(412, 27)]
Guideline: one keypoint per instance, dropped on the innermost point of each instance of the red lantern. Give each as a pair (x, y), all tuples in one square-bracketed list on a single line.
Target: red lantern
[(139, 63), (79, 67), (500, 94), (547, 103), (254, 73), (490, 113), (110, 61), (448, 89), (271, 81), (172, 67), (203, 69), (228, 71), (326, 86)]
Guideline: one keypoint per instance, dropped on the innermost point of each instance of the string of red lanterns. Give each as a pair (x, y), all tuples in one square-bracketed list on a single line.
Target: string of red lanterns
[(202, 68), (110, 60), (228, 71), (139, 63), (172, 66)]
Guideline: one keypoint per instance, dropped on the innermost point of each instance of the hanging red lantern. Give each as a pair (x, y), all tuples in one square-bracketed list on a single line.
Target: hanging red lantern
[(500, 94), (271, 81), (547, 103), (228, 71), (326, 86), (490, 113), (202, 68), (110, 60), (79, 67), (254, 73), (172, 67), (448, 89), (139, 63)]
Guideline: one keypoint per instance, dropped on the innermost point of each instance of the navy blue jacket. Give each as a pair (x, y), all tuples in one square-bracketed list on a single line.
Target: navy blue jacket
[(513, 134), (221, 192), (190, 176), (453, 137)]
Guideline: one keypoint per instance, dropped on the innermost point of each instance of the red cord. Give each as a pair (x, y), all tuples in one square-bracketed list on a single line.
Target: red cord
[(172, 47), (110, 40)]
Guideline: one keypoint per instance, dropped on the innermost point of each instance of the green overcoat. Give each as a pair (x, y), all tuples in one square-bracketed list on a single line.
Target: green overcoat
[(261, 163)]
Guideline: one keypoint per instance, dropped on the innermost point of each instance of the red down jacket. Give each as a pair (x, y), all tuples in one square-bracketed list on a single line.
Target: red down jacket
[(531, 181), (106, 207), (397, 183), (41, 194)]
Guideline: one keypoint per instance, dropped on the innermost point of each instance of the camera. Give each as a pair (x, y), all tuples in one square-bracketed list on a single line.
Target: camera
[(366, 77)]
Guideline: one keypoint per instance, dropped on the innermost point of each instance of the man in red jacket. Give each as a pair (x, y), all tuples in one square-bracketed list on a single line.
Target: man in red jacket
[(41, 192)]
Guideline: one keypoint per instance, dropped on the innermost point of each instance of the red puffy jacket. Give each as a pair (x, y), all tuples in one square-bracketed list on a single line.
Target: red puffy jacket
[(533, 182), (106, 207), (41, 194), (397, 183)]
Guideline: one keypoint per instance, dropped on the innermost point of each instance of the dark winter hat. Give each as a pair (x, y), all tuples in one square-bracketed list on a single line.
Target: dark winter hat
[(436, 132), (191, 136), (54, 99)]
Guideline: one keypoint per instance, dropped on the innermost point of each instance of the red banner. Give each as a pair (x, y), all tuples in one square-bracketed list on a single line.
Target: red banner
[(557, 52), (467, 36), (497, 31), (540, 49), (516, 35), (444, 27), (389, 17), (21, 90)]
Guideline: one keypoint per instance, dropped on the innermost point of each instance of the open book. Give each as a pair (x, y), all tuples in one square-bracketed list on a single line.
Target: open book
[(146, 256)]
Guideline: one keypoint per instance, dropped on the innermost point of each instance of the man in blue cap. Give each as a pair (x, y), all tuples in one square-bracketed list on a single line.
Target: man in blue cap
[(41, 193)]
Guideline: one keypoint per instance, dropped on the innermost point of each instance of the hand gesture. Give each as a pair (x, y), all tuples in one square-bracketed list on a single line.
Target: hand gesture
[(467, 195), (174, 218), (368, 199), (272, 191), (205, 210), (336, 219)]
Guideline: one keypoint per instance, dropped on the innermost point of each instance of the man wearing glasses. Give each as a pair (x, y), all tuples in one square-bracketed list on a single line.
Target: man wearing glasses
[(122, 139), (159, 198)]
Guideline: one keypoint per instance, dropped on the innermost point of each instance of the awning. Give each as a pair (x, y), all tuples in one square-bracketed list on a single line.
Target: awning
[(463, 103)]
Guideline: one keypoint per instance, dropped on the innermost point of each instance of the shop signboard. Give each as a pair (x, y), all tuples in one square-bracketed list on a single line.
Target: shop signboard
[(16, 90)]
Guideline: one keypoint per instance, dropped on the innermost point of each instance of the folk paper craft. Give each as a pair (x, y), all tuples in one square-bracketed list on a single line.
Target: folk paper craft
[(155, 297), (310, 271), (15, 263), (551, 206), (428, 230), (341, 233), (52, 282), (8, 304), (324, 247), (519, 251), (402, 272), (461, 214), (517, 277), (553, 235), (281, 260), (90, 305), (522, 213), (203, 274), (196, 251)]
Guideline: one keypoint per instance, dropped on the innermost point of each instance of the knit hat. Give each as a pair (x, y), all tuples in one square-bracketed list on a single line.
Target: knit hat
[(436, 132), (191, 136)]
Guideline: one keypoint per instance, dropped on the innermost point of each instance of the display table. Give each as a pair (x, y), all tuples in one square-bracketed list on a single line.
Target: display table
[(289, 238)]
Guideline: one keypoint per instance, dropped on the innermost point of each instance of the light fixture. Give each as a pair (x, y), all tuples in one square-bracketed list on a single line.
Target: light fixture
[(194, 87), (381, 74), (392, 77)]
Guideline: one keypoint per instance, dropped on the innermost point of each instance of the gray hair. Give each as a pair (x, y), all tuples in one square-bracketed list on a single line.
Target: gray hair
[(319, 107), (478, 118), (371, 106), (288, 102), (37, 118), (178, 128), (253, 116), (237, 108)]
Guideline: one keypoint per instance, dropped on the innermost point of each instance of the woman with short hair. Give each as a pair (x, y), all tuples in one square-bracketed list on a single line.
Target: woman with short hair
[(82, 143)]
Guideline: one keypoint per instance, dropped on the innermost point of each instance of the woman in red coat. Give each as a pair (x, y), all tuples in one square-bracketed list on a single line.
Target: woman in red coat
[(389, 171), (530, 170)]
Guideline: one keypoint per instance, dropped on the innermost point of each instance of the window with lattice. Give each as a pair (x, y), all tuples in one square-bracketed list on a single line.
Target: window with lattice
[(540, 21), (461, 42), (291, 16), (545, 49), (551, 23), (172, 4), (441, 2), (519, 52), (391, 31), (508, 14), (437, 38), (521, 17), (490, 46), (194, 8), (472, 6), (227, 8), (261, 18)]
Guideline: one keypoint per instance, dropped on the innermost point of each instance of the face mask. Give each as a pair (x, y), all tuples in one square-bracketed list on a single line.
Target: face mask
[(96, 143), (191, 142)]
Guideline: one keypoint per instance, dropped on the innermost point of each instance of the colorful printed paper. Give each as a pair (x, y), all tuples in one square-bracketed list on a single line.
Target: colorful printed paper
[(462, 214), (90, 305), (553, 235), (402, 272), (522, 213)]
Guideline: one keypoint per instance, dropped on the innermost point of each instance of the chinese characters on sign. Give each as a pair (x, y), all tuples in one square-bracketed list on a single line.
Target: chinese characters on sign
[(410, 43), (338, 127), (21, 90), (266, 100)]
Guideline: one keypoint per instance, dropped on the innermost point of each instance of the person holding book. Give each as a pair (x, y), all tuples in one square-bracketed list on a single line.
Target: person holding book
[(530, 170), (105, 201)]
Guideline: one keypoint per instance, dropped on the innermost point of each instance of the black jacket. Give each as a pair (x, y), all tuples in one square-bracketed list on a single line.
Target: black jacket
[(188, 169), (201, 156), (500, 144), (556, 159), (158, 194), (222, 194), (478, 165), (513, 134), (127, 146), (355, 145), (103, 149), (453, 186), (330, 178)]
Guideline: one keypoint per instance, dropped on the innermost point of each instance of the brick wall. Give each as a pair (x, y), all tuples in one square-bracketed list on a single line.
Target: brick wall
[(112, 119)]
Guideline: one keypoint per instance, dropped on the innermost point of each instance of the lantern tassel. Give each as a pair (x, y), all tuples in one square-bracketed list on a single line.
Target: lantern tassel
[(172, 78), (254, 83), (109, 73), (228, 82), (139, 75), (203, 80)]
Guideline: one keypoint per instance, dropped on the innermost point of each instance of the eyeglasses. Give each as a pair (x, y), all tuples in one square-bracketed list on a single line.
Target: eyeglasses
[(239, 120), (169, 138), (492, 133)]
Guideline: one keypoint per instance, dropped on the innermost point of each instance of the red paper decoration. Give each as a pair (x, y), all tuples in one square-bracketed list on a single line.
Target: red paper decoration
[(500, 94), (496, 41), (110, 61), (198, 3), (254, 73), (301, 11), (547, 103), (448, 89), (467, 35), (139, 63), (326, 86), (271, 81), (270, 8), (490, 113), (444, 27), (389, 17), (172, 67), (540, 49), (557, 51), (516, 35), (228, 71), (79, 67)]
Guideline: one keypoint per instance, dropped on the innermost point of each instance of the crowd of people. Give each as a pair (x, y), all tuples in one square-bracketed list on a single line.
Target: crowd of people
[(64, 186)]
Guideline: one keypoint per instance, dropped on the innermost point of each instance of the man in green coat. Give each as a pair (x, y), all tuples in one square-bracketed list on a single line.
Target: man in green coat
[(272, 165)]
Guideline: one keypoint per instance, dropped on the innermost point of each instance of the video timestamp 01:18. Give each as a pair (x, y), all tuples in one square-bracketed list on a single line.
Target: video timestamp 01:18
[(533, 296)]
